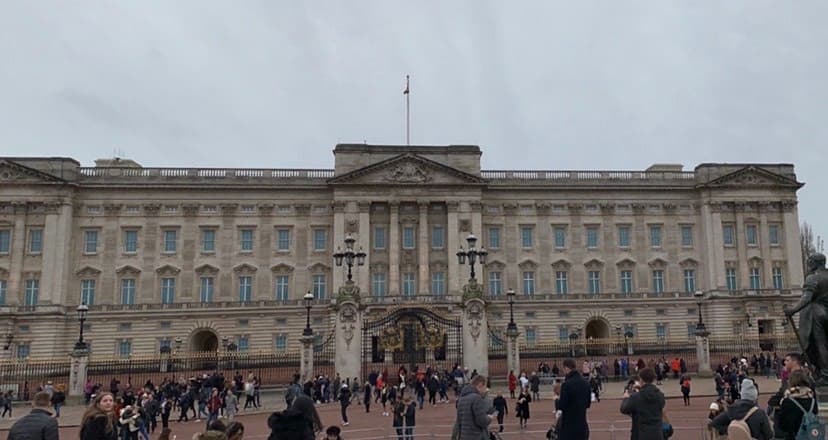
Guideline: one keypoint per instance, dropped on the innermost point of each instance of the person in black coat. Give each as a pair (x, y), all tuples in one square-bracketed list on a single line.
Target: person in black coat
[(344, 401), (789, 415), (522, 407), (499, 404), (645, 404), (573, 403)]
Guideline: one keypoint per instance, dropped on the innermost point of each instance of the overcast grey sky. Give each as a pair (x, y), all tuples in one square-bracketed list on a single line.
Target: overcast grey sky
[(553, 85)]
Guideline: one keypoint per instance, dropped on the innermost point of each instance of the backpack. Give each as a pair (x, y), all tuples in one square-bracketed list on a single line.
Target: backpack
[(738, 429), (811, 428), (289, 424)]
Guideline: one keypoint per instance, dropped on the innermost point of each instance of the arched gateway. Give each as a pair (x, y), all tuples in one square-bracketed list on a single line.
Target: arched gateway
[(204, 340), (409, 337)]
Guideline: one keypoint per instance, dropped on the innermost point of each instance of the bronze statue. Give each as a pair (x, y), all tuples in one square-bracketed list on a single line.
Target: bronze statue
[(813, 317)]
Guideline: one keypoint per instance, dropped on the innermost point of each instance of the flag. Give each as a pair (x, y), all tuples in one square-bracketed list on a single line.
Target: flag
[(405, 92)]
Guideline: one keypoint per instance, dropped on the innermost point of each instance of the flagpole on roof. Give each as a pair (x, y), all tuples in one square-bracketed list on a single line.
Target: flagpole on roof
[(407, 93)]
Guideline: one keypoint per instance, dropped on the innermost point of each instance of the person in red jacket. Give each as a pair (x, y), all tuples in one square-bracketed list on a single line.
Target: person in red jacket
[(512, 384), (213, 406)]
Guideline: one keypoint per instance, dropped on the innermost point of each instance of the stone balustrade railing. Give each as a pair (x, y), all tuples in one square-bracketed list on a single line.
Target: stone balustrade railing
[(632, 177)]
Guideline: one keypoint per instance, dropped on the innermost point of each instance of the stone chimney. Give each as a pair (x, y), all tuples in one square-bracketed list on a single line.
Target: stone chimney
[(116, 163)]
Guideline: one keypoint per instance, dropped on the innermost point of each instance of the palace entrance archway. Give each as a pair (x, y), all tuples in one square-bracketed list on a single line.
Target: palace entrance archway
[(597, 329), (204, 340)]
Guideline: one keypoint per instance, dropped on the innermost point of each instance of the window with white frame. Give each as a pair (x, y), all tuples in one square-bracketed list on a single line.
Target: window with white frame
[(88, 292), (563, 333), (167, 290), (281, 343), (320, 283), (687, 236), (378, 284), (3, 289), (729, 234), (320, 239), (661, 330), (624, 236), (90, 242), (206, 289), (691, 330), (245, 288), (438, 283), (594, 282), (124, 348), (560, 237), (32, 292), (438, 237), (494, 237), (658, 281), (170, 240), (409, 237), (23, 350), (592, 237), (777, 278), (243, 343), (495, 283), (128, 291), (208, 240), (773, 235), (732, 279), (281, 287), (246, 240), (409, 287), (755, 278), (35, 241), (750, 235), (526, 237), (531, 336), (283, 240), (562, 282), (655, 236), (379, 237), (626, 282), (5, 241), (690, 280), (130, 241), (528, 283)]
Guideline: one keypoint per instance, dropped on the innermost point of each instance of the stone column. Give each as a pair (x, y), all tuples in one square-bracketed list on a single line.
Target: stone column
[(348, 361), (452, 244), (512, 351), (703, 354), (15, 293), (364, 241), (77, 372), (394, 249), (56, 246), (475, 336), (306, 358), (422, 250)]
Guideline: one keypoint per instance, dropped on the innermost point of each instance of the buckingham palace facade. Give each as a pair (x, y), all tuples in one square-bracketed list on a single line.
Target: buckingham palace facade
[(214, 254)]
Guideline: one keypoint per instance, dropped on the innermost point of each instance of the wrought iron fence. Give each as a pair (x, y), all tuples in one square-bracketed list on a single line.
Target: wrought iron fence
[(25, 377)]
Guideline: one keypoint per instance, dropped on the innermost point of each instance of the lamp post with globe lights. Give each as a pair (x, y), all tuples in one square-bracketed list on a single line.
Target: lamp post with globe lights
[(702, 342), (472, 255), (82, 311), (513, 352), (307, 339)]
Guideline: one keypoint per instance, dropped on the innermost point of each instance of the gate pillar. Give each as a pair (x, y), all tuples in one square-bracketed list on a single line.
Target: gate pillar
[(306, 358), (475, 336), (348, 338), (77, 371)]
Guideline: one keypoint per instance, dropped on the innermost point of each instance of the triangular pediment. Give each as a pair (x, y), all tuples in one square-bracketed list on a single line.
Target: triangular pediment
[(407, 169), (752, 176), (14, 173)]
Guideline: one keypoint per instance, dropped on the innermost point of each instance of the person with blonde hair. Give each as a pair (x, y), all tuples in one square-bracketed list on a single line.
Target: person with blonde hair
[(99, 420)]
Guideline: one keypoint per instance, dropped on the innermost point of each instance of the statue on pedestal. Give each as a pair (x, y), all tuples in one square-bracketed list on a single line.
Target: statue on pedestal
[(813, 318)]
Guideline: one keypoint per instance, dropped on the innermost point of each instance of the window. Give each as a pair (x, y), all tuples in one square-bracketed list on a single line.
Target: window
[(128, 291), (319, 286), (563, 334), (528, 283), (531, 336), (563, 313), (3, 288), (750, 235), (378, 284), (661, 330), (594, 278), (626, 282), (167, 290), (23, 350), (245, 288), (495, 283), (438, 237), (5, 241), (777, 278), (438, 283), (409, 287), (88, 292), (773, 235), (206, 289), (562, 282), (560, 237), (629, 329), (628, 313), (526, 236), (728, 235), (208, 240), (624, 236), (124, 349), (165, 344), (658, 282), (283, 240), (282, 290), (246, 244), (691, 331), (32, 290), (170, 241), (494, 238), (379, 237), (90, 242), (35, 241), (408, 237), (281, 343), (655, 236), (755, 278), (320, 239), (687, 236), (125, 327), (243, 343), (130, 241), (689, 280), (592, 237), (660, 312), (730, 274)]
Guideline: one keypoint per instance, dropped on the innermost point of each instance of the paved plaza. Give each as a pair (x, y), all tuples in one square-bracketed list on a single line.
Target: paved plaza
[(605, 420)]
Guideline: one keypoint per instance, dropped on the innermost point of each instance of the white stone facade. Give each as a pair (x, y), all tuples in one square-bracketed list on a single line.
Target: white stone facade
[(162, 253)]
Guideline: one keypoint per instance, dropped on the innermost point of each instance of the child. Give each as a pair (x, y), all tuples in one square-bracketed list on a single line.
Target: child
[(522, 410), (332, 433), (499, 404)]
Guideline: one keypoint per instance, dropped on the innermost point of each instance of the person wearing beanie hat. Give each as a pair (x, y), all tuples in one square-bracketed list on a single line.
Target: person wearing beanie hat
[(758, 422), (344, 401)]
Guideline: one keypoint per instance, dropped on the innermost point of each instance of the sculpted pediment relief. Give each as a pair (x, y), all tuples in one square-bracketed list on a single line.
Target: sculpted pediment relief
[(407, 169), (13, 172), (752, 176)]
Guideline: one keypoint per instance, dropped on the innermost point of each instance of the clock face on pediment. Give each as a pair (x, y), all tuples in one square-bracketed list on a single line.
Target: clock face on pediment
[(407, 169)]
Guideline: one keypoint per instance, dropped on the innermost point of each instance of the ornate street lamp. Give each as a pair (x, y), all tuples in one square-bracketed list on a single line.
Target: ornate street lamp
[(178, 342), (700, 328), (627, 336), (8, 341), (572, 337), (82, 310), (308, 298), (349, 256), (511, 329), (472, 254)]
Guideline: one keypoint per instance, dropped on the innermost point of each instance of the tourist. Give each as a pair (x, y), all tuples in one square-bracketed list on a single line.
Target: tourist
[(573, 403), (333, 433), (166, 409), (716, 408), (129, 423), (215, 431), (747, 410), (685, 390), (500, 405), (410, 418), (595, 387), (398, 419), (524, 381), (213, 406), (235, 431), (38, 424), (799, 398), (367, 397), (344, 401), (473, 418), (512, 379), (304, 405), (522, 407), (99, 420), (231, 403), (384, 397), (534, 384), (644, 403), (791, 363), (6, 402), (294, 389), (58, 398), (433, 386), (250, 395), (356, 391)]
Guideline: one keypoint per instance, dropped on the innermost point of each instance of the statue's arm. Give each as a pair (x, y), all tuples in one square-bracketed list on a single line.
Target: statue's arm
[(807, 296)]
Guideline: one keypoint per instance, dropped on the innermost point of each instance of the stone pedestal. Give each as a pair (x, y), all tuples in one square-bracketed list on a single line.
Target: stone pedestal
[(475, 336), (512, 352), (703, 354), (348, 360), (77, 372), (306, 358)]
